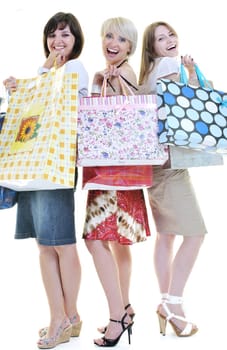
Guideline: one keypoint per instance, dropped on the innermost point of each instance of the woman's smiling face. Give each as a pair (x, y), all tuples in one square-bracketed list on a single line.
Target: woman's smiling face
[(166, 42), (115, 48), (61, 40)]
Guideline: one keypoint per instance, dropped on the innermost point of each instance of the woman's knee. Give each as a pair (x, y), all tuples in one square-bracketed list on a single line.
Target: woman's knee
[(197, 240), (165, 239), (66, 249), (95, 245), (46, 250)]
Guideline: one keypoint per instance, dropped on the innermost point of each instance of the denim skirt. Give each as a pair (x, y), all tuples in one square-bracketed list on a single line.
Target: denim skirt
[(46, 215)]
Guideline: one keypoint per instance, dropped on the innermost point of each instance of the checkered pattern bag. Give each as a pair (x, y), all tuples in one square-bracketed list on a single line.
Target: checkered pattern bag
[(38, 138)]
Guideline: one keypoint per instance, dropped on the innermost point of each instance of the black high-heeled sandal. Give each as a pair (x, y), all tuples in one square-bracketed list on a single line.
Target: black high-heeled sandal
[(132, 315), (112, 342)]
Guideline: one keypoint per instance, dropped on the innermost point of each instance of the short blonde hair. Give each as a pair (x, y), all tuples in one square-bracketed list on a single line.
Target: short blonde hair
[(123, 27)]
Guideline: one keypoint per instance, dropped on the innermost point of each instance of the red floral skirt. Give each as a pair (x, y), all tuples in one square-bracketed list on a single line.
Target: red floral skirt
[(116, 216)]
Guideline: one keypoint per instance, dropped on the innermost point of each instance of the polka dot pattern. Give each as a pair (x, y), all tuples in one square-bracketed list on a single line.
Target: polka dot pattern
[(192, 117)]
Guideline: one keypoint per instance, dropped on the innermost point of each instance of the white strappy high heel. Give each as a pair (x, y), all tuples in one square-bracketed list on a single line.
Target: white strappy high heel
[(189, 329)]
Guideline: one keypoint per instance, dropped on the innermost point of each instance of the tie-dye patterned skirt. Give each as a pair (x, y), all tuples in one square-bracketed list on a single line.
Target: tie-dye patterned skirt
[(116, 216)]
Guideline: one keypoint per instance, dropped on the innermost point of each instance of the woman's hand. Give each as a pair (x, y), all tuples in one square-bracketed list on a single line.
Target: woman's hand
[(10, 84), (55, 59), (189, 64), (112, 71)]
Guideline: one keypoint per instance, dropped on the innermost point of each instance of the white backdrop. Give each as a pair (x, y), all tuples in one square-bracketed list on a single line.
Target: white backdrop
[(202, 30)]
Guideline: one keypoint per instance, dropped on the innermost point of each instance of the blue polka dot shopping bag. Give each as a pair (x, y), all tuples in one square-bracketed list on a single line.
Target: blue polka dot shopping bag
[(190, 116)]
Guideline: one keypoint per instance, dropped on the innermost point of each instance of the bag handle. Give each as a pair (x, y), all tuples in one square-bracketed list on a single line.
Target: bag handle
[(125, 86), (201, 78), (124, 83), (203, 82)]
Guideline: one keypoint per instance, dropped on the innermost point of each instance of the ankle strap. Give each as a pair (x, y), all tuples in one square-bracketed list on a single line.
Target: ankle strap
[(173, 299), (127, 306), (164, 296), (122, 321)]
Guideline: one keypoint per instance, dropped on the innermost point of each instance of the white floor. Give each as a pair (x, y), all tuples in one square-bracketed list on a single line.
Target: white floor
[(23, 307)]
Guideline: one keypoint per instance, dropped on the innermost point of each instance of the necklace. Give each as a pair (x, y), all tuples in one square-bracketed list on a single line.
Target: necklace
[(126, 60)]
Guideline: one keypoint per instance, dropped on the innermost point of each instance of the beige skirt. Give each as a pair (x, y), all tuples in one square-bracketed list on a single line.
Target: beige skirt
[(174, 205)]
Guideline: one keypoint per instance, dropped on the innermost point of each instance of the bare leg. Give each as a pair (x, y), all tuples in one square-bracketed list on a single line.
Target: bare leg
[(61, 273), (109, 278), (123, 259), (70, 271), (108, 275), (50, 271), (183, 263), (163, 256), (173, 273), (182, 266)]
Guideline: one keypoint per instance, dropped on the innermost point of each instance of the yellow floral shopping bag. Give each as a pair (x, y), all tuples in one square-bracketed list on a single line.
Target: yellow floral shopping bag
[(38, 138)]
